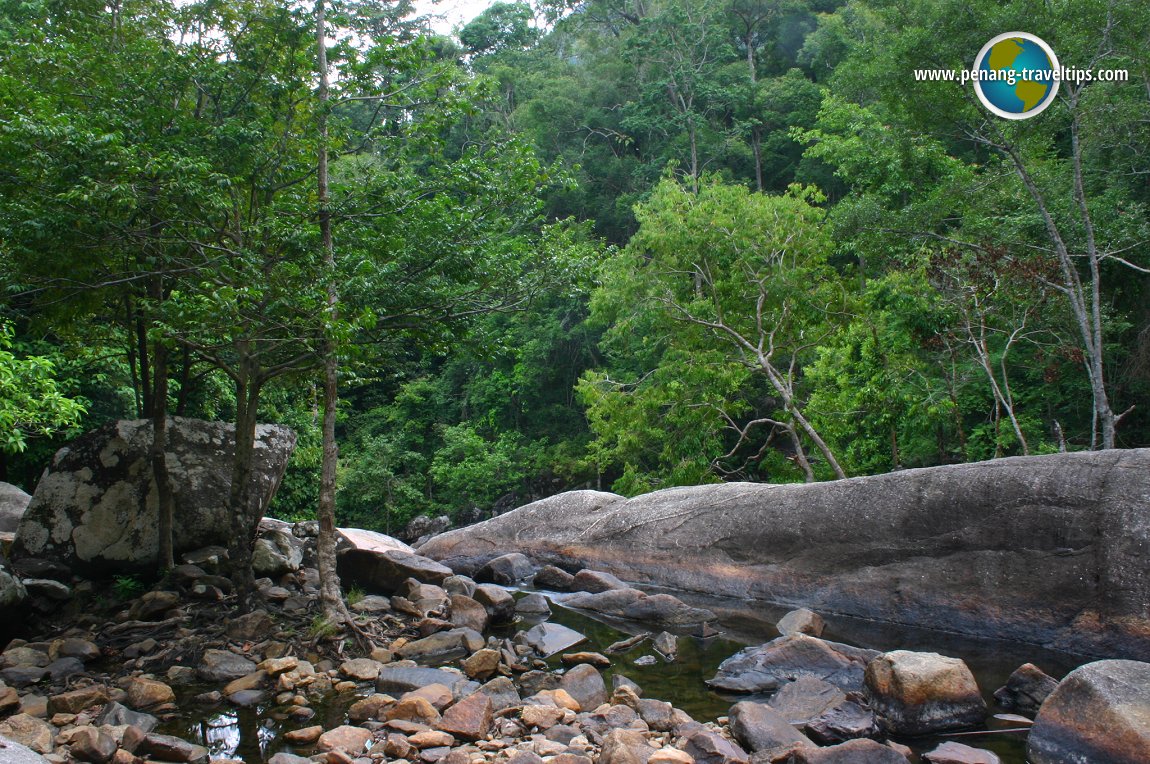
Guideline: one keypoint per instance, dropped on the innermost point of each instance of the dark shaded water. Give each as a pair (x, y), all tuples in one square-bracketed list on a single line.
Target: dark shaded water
[(253, 734)]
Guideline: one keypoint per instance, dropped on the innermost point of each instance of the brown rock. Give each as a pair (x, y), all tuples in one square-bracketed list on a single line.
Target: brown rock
[(439, 695), (370, 707), (29, 731), (75, 701), (90, 744), (470, 718), (597, 660), (668, 755), (542, 717), (251, 681), (414, 709), (144, 693), (152, 605), (595, 581), (709, 747), (397, 746), (361, 669), (852, 752), (551, 577), (349, 739), (758, 727), (482, 664), (801, 621), (168, 748), (1026, 689), (623, 746), (916, 693), (277, 666), (468, 613), (305, 736), (125, 757), (585, 684), (957, 753), (431, 739), (9, 700), (251, 627)]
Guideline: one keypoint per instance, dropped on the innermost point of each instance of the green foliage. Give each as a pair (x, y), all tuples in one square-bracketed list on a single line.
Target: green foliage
[(31, 401), (127, 587)]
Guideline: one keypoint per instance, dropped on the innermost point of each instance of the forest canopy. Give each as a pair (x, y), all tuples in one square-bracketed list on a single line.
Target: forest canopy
[(622, 244)]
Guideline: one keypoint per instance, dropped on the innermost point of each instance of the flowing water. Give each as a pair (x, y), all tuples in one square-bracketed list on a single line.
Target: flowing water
[(255, 734)]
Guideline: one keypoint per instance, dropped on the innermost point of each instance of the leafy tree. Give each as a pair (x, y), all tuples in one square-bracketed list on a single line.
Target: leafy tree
[(31, 401)]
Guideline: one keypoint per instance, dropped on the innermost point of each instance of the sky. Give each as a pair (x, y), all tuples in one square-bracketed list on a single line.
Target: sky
[(454, 12)]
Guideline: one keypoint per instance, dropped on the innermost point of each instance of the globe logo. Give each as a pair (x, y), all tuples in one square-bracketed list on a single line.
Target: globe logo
[(1016, 75)]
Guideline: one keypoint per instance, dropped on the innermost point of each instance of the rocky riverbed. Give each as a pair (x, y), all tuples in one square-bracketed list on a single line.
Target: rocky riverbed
[(442, 667)]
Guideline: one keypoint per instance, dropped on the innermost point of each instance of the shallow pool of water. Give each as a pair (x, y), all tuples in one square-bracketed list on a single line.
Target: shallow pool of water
[(253, 735)]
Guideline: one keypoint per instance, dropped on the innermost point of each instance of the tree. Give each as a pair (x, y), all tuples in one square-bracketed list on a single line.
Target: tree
[(500, 27), (31, 402), (740, 275)]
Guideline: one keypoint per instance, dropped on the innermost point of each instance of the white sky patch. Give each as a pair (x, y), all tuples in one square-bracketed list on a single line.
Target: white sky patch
[(449, 15)]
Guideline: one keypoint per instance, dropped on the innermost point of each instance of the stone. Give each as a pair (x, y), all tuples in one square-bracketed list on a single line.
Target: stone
[(94, 508), (498, 602), (458, 584), (246, 698), (422, 526), (28, 731), (916, 693), (547, 639), (957, 753), (801, 621), (468, 613), (841, 722), (502, 693), (361, 669), (1026, 689), (22, 676), (431, 739), (506, 570), (385, 572), (12, 591), (470, 718), (13, 503), (856, 546), (90, 744), (251, 627), (397, 680), (595, 581), (369, 708), (541, 716), (766, 667), (151, 606), (64, 668), (805, 699), (758, 727), (669, 755), (223, 666), (73, 647), (275, 666), (24, 657), (624, 746), (852, 752), (283, 757), (169, 748), (144, 693), (372, 604), (277, 552), (414, 709), (9, 700), (482, 664), (47, 589), (709, 747), (585, 684), (553, 578), (16, 753), (533, 604), (438, 695), (349, 739), (1099, 712), (245, 683), (659, 715), (75, 701), (666, 644), (304, 736), (442, 646), (115, 715), (663, 610), (598, 660)]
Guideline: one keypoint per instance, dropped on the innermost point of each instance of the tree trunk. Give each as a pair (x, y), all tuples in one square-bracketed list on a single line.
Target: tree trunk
[(245, 512), (165, 507), (331, 596)]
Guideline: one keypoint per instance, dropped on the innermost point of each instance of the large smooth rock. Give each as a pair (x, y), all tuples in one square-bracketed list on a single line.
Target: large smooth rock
[(1099, 712), (95, 507), (370, 541), (547, 638), (387, 571), (759, 727), (1047, 549), (916, 693), (506, 570), (766, 667), (852, 752), (1026, 689), (13, 502), (15, 753)]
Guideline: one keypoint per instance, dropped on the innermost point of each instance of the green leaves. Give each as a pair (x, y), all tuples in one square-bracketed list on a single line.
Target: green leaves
[(31, 402)]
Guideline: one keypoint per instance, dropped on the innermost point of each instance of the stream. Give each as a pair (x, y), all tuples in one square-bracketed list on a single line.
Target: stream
[(255, 734)]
